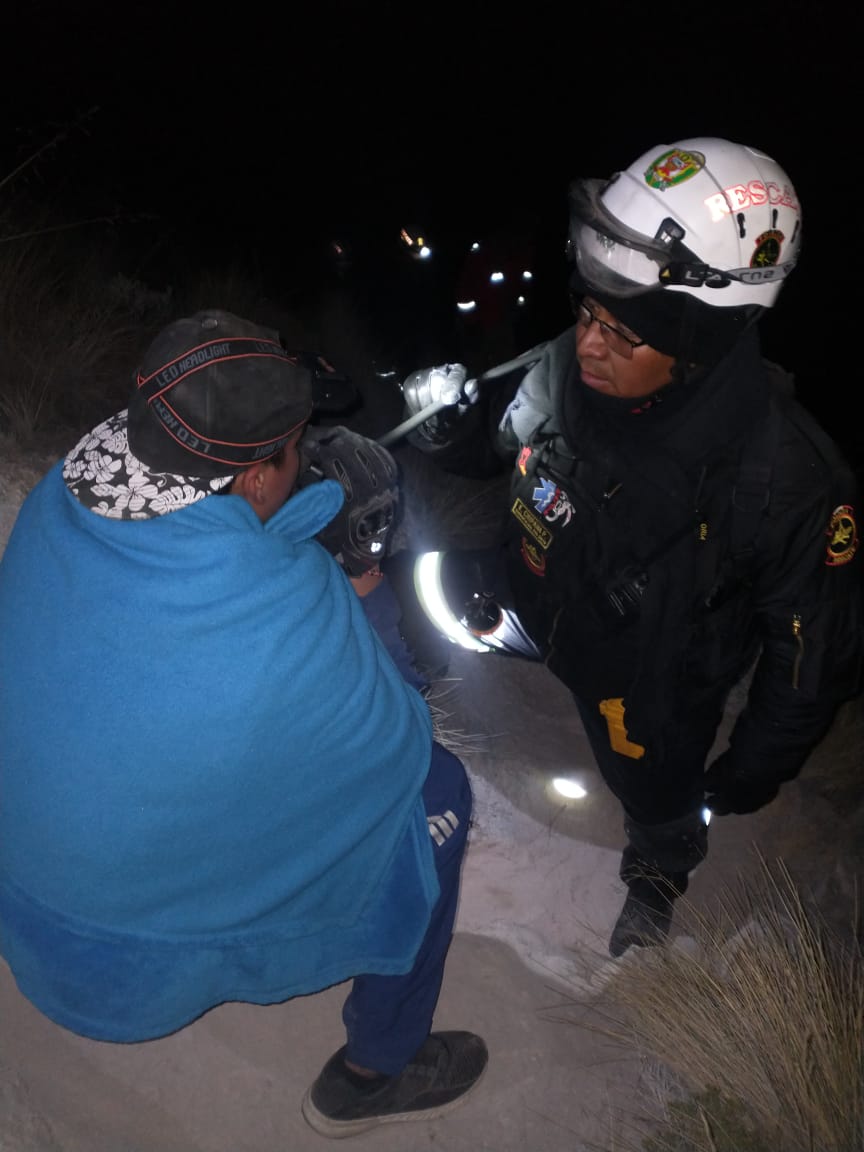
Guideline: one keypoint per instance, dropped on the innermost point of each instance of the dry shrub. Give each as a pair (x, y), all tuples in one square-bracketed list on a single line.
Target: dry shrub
[(758, 1030), (73, 328), (66, 337), (231, 289)]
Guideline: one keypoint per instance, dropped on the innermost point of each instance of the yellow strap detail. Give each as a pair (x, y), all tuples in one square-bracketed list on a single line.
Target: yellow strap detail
[(613, 710)]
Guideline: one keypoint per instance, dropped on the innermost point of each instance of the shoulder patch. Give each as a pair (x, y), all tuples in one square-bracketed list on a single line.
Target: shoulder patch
[(842, 533)]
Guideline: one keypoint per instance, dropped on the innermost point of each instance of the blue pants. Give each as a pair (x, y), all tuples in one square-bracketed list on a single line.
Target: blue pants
[(387, 1018)]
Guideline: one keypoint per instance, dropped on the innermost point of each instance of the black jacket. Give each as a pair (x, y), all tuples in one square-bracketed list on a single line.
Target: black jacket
[(655, 553)]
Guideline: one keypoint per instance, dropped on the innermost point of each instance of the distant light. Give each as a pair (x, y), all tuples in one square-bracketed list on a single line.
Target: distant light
[(568, 788), (706, 815), (520, 300), (526, 275), (416, 245), (466, 305), (497, 277), (475, 247)]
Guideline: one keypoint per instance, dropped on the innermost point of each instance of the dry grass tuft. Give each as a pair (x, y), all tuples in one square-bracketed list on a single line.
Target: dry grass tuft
[(456, 740), (759, 1030), (73, 326), (63, 336)]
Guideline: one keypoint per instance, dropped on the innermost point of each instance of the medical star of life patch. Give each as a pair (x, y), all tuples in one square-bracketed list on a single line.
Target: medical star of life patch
[(551, 502), (842, 533)]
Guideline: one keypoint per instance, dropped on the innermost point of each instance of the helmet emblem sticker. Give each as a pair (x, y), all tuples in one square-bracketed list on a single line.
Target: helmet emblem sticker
[(842, 536), (767, 250), (551, 502), (673, 167)]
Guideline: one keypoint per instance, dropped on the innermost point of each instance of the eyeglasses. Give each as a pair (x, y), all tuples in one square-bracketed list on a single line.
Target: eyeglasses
[(616, 340)]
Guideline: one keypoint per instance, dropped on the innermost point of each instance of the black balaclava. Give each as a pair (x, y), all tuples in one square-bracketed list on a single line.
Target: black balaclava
[(676, 324)]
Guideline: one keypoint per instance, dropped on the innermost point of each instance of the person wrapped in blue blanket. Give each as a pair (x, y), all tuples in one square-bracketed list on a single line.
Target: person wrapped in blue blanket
[(216, 784)]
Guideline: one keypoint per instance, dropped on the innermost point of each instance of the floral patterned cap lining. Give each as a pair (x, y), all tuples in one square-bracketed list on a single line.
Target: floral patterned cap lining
[(105, 477)]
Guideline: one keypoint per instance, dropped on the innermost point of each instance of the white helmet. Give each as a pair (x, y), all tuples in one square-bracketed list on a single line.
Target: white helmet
[(706, 217)]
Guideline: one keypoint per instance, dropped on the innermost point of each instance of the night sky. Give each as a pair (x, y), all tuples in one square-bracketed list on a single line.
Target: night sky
[(217, 131)]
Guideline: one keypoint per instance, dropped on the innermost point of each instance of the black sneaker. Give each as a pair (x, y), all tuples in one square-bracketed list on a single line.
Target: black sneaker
[(645, 919), (341, 1103)]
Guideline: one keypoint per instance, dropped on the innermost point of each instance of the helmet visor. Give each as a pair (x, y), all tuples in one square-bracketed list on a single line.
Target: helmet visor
[(613, 258), (617, 261)]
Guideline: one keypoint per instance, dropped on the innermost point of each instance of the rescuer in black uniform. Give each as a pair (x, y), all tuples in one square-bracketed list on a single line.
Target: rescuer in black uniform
[(677, 518)]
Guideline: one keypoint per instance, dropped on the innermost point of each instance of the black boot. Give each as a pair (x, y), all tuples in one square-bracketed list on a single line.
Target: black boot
[(646, 916), (655, 866)]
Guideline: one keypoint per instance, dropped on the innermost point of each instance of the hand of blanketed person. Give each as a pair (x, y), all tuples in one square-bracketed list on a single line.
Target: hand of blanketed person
[(368, 582)]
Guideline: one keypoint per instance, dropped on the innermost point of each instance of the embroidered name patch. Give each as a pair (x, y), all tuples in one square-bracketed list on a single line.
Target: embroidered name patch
[(532, 524)]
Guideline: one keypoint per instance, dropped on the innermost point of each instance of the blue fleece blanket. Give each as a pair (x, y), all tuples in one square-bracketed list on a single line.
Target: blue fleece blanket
[(210, 768)]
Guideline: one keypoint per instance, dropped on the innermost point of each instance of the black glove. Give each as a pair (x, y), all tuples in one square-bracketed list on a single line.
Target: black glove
[(728, 791)]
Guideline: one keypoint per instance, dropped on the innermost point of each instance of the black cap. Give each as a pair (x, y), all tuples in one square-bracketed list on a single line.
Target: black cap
[(214, 394)]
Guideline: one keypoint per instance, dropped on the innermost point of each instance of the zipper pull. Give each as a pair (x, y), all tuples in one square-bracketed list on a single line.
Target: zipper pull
[(799, 641)]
